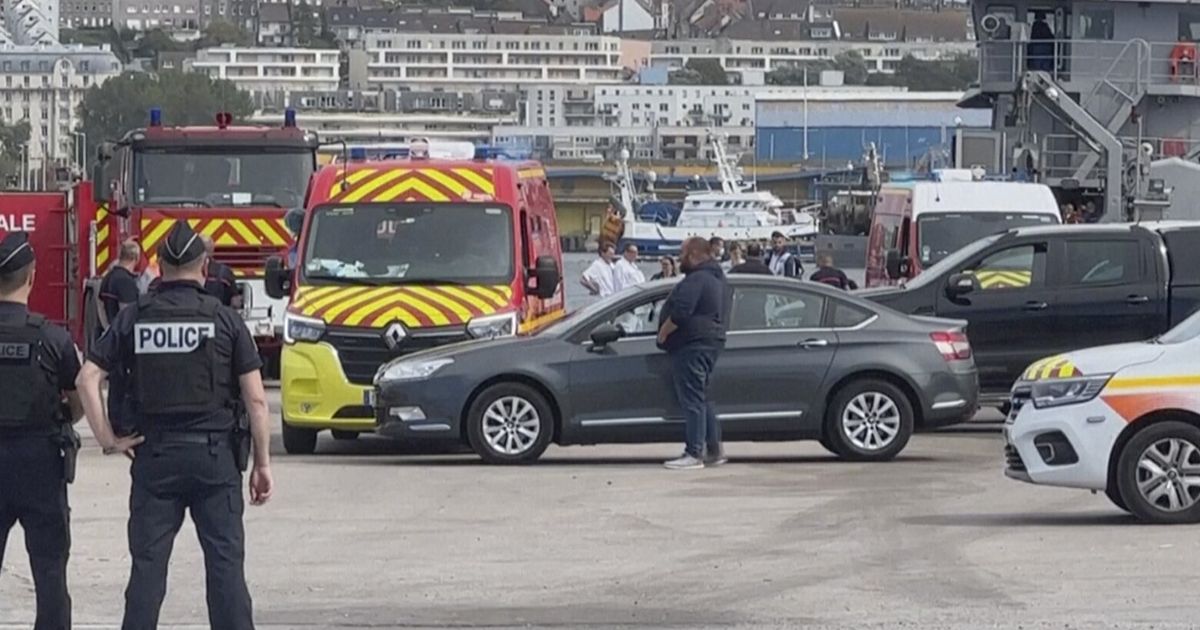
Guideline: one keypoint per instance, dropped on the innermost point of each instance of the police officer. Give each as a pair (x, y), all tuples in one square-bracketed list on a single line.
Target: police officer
[(38, 363), (188, 357), (221, 282)]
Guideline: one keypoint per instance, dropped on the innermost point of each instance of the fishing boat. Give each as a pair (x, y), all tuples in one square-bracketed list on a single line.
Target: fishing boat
[(737, 211)]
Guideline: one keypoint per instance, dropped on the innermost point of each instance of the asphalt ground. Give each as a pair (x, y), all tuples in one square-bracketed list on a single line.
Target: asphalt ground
[(365, 534)]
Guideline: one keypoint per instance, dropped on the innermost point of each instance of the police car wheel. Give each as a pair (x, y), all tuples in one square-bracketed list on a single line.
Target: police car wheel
[(509, 423), (299, 441), (869, 420), (1159, 473), (1113, 492)]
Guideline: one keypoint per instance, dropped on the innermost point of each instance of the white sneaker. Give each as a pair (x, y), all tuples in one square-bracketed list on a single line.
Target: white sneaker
[(686, 462), (716, 460)]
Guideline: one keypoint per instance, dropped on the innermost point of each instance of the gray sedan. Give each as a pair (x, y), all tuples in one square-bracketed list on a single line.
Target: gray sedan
[(802, 361)]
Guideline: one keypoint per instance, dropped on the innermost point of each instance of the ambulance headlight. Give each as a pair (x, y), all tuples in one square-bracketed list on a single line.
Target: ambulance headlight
[(1067, 391), (297, 328), (489, 326), (411, 370)]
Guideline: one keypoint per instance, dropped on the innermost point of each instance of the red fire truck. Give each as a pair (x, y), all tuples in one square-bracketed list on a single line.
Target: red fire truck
[(235, 184)]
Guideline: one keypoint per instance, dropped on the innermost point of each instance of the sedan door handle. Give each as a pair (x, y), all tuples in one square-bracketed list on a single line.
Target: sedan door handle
[(1034, 305), (1134, 300), (813, 343)]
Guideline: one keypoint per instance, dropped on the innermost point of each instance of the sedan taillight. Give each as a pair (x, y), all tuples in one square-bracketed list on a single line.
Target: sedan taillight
[(953, 345)]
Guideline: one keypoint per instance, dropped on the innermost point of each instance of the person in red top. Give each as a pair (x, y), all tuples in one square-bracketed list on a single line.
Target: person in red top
[(826, 273)]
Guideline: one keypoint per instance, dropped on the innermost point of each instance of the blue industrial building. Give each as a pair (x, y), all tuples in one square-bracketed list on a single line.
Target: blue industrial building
[(904, 126)]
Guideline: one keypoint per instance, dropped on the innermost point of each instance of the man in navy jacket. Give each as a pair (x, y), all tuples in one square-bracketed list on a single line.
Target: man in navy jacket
[(695, 318)]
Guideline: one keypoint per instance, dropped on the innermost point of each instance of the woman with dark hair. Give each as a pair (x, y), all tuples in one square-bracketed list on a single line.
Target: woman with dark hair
[(669, 269)]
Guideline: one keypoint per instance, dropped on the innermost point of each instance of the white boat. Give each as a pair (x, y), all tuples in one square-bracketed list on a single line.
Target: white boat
[(735, 212)]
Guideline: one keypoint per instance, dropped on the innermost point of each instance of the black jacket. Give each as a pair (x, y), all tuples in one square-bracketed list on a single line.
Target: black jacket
[(833, 277), (699, 305), (752, 265)]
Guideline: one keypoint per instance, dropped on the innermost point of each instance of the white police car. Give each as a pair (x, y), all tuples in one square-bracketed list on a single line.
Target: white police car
[(1124, 419)]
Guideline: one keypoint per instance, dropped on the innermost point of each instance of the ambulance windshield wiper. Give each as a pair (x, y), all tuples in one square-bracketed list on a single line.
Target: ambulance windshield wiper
[(177, 201), (347, 279)]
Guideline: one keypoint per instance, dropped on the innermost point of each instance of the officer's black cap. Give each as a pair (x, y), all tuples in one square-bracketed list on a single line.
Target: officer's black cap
[(15, 252), (182, 245)]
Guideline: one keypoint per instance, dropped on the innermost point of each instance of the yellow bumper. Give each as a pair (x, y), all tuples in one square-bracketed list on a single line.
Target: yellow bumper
[(314, 388)]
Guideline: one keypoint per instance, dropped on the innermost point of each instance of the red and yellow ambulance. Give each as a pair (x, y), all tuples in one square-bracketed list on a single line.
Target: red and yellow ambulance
[(399, 255)]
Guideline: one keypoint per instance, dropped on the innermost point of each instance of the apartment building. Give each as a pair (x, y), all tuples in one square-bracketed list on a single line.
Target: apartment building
[(748, 61), (459, 61), (271, 71), (44, 85)]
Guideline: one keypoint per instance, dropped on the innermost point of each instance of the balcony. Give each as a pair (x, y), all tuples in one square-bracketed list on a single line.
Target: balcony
[(1164, 69)]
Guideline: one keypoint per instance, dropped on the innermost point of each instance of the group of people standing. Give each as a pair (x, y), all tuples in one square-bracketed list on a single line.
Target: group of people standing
[(610, 273), (195, 416)]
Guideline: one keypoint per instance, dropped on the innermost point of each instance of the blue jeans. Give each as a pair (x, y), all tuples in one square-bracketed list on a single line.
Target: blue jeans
[(691, 372)]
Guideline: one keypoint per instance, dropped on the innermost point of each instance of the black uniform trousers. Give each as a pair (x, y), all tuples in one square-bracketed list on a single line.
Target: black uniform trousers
[(33, 493), (195, 472)]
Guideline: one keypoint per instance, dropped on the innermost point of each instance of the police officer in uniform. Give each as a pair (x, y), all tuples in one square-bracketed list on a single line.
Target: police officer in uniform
[(190, 360), (38, 363)]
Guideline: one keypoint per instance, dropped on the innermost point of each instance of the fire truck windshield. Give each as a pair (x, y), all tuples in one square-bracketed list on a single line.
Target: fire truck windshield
[(410, 243), (221, 177)]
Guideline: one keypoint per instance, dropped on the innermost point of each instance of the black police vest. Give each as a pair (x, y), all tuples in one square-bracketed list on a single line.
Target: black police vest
[(176, 368), (29, 392)]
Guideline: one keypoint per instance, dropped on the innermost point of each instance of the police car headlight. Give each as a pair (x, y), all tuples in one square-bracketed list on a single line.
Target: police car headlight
[(297, 328), (1067, 391), (489, 326), (411, 370)]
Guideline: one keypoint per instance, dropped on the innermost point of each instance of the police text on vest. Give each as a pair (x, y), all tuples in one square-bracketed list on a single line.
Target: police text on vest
[(14, 352), (171, 338)]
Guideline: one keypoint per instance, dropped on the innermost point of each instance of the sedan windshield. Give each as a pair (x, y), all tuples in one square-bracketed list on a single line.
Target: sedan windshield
[(941, 234), (423, 243), (222, 177)]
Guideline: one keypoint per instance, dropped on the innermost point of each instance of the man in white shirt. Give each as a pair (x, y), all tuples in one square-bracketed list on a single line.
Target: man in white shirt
[(600, 278), (626, 271)]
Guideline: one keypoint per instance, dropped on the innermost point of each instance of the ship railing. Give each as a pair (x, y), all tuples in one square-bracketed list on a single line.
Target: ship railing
[(1061, 155), (1082, 61)]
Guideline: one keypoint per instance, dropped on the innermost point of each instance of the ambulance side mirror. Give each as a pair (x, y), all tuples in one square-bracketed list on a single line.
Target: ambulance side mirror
[(548, 276), (101, 188), (278, 282), (897, 266)]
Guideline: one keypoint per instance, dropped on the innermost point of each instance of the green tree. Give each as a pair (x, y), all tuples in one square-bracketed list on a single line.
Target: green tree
[(956, 73), (700, 72), (123, 103), (12, 138), (853, 67), (222, 32)]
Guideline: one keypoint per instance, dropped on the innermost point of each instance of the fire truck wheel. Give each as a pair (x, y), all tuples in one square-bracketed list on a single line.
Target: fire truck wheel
[(298, 441)]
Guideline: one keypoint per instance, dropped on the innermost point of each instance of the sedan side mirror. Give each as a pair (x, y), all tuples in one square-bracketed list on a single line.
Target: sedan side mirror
[(547, 276), (605, 334), (961, 284), (278, 282), (897, 265)]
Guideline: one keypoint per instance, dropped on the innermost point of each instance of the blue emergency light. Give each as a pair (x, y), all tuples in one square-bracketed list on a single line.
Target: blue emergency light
[(289, 117), (487, 152), (358, 154), (155, 117)]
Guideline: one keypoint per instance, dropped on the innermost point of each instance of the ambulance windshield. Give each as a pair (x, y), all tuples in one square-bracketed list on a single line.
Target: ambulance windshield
[(942, 233), (222, 176), (410, 243)]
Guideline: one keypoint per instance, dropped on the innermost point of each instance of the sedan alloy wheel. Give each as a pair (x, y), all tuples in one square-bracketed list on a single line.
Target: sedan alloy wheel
[(511, 425), (871, 421)]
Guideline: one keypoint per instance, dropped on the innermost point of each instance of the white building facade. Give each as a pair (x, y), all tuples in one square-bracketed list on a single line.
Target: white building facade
[(471, 61), (271, 70), (43, 86)]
